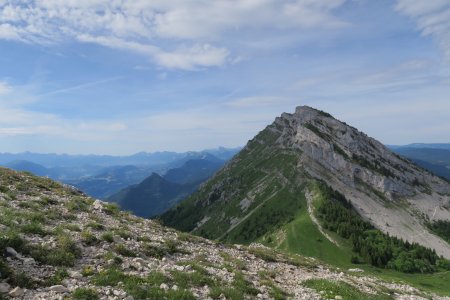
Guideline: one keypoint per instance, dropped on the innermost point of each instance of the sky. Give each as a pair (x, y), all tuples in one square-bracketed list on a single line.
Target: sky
[(124, 76)]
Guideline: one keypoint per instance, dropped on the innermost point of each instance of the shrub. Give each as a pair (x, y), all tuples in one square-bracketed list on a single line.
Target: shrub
[(154, 251), (88, 238), (85, 294), (33, 228), (12, 239), (63, 255), (57, 278), (123, 250), (108, 237), (87, 271), (77, 204), (111, 209), (123, 233), (95, 226)]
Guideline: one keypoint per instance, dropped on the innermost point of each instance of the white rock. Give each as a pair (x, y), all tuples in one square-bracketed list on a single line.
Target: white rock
[(75, 274), (58, 289), (356, 270), (28, 261), (337, 297), (164, 286), (16, 292), (97, 205), (4, 287), (175, 287), (179, 268), (126, 265)]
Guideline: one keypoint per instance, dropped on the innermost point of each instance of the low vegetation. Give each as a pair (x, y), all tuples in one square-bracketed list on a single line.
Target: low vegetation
[(64, 254), (139, 287), (341, 290), (85, 294)]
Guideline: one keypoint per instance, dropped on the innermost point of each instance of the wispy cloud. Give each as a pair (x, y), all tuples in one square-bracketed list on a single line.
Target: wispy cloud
[(432, 18), (177, 34), (80, 86), (257, 102)]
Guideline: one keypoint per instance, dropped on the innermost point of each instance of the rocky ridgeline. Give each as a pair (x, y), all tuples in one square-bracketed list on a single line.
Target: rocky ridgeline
[(395, 195), (358, 158), (57, 243)]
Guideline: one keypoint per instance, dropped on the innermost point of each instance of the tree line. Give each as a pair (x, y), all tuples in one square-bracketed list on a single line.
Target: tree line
[(370, 245)]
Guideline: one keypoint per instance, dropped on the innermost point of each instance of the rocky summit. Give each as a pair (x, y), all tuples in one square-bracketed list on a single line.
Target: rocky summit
[(57, 243), (271, 180)]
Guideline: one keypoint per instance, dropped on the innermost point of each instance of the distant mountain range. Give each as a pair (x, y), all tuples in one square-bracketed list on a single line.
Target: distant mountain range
[(436, 160), (155, 194), (51, 160), (422, 146), (101, 176)]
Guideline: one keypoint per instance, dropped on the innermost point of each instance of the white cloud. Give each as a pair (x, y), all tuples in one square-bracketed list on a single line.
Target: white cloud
[(23, 122), (432, 18), (5, 88), (172, 33), (257, 102), (189, 58), (29, 130)]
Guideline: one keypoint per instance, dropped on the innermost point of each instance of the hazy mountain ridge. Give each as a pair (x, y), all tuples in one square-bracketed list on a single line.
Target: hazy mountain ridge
[(432, 155), (50, 160), (445, 146), (101, 176), (395, 195), (156, 193)]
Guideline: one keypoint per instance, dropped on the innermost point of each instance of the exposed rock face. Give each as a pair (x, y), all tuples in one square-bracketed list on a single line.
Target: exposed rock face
[(68, 245), (396, 195)]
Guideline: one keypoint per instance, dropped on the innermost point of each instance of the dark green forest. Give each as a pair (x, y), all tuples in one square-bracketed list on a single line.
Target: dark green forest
[(441, 228), (372, 246)]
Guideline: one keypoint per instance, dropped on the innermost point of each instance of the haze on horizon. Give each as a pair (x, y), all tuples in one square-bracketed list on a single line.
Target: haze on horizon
[(120, 77)]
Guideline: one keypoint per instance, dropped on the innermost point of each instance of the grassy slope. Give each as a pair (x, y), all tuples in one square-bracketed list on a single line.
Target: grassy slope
[(279, 208), (437, 282), (282, 221), (259, 173), (303, 237)]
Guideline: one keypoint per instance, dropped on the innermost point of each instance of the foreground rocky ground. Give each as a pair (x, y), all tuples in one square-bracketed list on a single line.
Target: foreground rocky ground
[(59, 244)]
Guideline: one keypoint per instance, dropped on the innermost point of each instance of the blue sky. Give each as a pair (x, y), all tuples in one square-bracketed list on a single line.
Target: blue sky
[(122, 76)]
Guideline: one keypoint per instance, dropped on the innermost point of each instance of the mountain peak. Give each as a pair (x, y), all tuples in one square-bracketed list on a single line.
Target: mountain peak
[(302, 109), (310, 145)]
